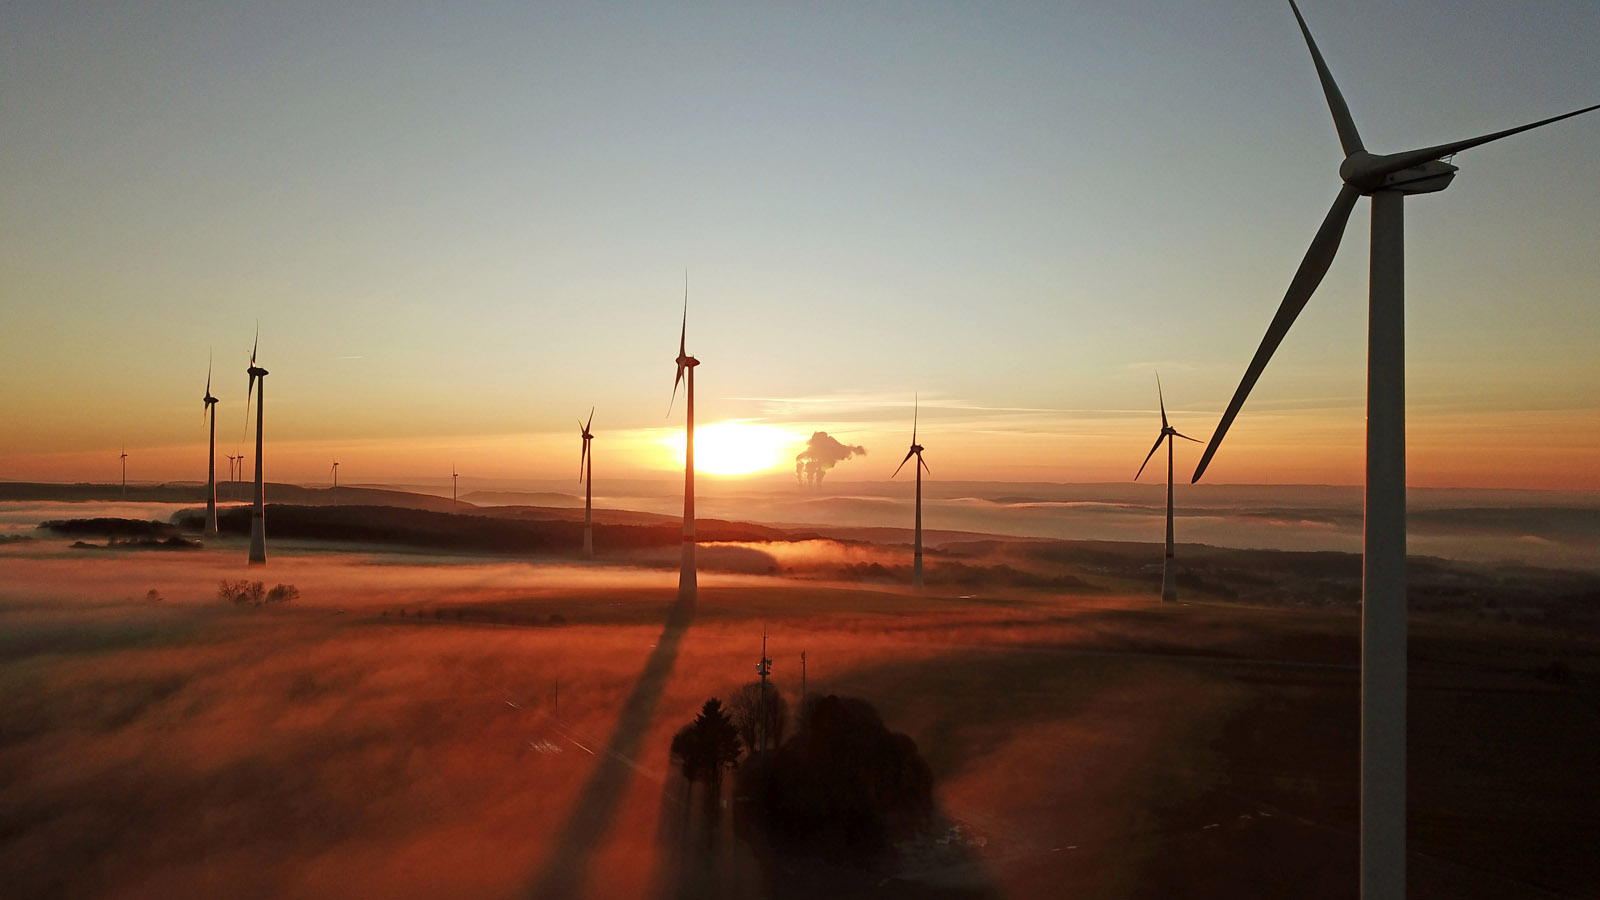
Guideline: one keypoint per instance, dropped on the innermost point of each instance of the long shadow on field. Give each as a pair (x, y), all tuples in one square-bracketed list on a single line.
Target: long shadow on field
[(566, 867)]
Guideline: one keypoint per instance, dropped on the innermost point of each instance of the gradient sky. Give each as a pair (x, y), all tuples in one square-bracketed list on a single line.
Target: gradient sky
[(461, 225)]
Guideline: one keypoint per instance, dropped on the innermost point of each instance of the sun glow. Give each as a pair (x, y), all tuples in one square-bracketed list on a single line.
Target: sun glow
[(734, 448)]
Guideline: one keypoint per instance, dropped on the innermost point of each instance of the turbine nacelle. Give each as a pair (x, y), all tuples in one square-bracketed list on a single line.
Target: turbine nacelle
[(1370, 173)]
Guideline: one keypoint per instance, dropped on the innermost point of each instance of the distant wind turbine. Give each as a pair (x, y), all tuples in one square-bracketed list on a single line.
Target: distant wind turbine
[(453, 476), (210, 412), (586, 475), (1169, 572), (688, 588), (1387, 179), (124, 459), (258, 514), (335, 471), (916, 450)]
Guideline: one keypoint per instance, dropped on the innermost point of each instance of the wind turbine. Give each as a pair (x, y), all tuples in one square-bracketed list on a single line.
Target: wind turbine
[(210, 412), (258, 515), (916, 450), (1169, 572), (335, 471), (586, 475), (124, 459), (1387, 179), (453, 476), (688, 588)]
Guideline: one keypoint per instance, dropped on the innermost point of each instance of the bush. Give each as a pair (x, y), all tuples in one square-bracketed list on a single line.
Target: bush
[(254, 593)]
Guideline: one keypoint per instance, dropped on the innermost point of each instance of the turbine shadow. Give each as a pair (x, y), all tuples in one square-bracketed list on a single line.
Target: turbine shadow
[(566, 867)]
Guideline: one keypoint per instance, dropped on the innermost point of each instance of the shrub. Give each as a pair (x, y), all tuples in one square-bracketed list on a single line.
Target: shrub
[(254, 593)]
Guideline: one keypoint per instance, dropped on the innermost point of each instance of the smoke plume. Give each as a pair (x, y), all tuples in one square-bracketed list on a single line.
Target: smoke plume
[(822, 453)]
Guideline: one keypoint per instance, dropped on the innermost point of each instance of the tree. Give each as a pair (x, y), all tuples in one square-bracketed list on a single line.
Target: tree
[(707, 745), (745, 708)]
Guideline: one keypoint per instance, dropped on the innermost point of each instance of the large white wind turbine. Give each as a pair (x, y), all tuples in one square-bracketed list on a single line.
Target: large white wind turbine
[(1387, 179), (916, 450), (210, 411), (1169, 572), (586, 475), (688, 588), (258, 513)]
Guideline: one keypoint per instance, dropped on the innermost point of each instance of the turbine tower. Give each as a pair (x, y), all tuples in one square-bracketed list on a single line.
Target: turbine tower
[(586, 475), (1169, 572), (258, 513), (688, 588), (1387, 179), (453, 476), (335, 471), (916, 450), (210, 412), (124, 459)]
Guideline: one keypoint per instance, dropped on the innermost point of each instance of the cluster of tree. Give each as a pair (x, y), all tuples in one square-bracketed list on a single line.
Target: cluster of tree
[(475, 532), (109, 527), (255, 593), (844, 785)]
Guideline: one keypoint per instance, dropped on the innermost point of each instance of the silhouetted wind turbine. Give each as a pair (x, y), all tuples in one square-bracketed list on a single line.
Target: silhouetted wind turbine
[(335, 471), (124, 459), (1169, 572), (916, 450), (1387, 179), (453, 476), (688, 588), (258, 514), (586, 475), (210, 412)]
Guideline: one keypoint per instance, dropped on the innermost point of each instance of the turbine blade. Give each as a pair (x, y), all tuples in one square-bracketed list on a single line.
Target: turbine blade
[(924, 464), (916, 408), (1395, 162), (1162, 400), (591, 419), (1152, 452), (583, 457), (683, 335), (1187, 438), (247, 395), (675, 383), (255, 344), (1319, 256), (1349, 138), (909, 454)]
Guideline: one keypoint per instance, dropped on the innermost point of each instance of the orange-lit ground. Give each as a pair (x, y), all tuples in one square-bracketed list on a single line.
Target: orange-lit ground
[(1100, 746)]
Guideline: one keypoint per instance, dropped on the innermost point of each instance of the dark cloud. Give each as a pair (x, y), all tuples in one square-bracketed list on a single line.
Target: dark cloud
[(822, 453)]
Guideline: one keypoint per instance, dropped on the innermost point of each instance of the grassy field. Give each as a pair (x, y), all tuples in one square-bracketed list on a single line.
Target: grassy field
[(394, 732)]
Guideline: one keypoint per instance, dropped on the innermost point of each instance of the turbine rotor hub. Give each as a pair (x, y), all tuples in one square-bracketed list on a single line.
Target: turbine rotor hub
[(256, 371)]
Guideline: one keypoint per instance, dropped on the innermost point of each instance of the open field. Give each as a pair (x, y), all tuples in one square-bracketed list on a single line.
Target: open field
[(394, 732)]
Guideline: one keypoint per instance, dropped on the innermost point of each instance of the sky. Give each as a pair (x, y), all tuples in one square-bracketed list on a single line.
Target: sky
[(461, 226)]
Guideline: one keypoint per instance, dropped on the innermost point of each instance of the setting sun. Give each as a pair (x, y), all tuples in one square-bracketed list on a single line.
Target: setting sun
[(734, 448)]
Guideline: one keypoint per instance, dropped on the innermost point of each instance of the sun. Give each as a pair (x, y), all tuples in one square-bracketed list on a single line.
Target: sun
[(733, 448)]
